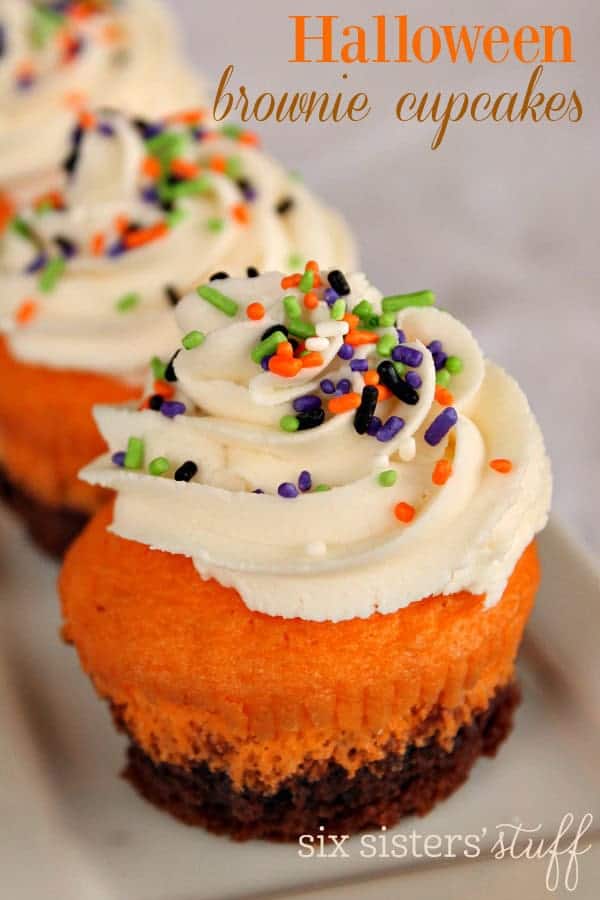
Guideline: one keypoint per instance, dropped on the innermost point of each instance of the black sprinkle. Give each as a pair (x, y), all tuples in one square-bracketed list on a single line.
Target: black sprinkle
[(218, 276), (70, 163), (338, 282), (167, 206), (155, 402), (390, 378), (272, 330), (2, 40), (67, 247), (252, 272), (173, 295), (285, 205), (366, 410), (311, 419), (186, 471), (170, 371)]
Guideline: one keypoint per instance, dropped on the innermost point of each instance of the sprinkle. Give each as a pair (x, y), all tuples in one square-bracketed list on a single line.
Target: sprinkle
[(165, 390), (407, 355), (413, 378), (284, 367), (252, 272), (172, 294), (443, 396), (287, 490), (186, 471), (127, 302), (158, 466), (434, 346), (359, 365), (442, 378), (388, 478), (317, 343), (289, 423), (346, 352), (272, 329), (307, 403), (170, 374), (358, 338), (172, 408), (386, 344), (219, 276), (301, 329), (268, 345), (344, 385), (441, 472), (218, 300), (290, 281), (134, 457), (331, 328), (155, 402), (151, 167), (311, 359), (404, 512), (142, 236), (215, 224), (158, 368), (327, 386), (240, 213), (330, 296), (374, 426), (371, 377), (440, 426), (390, 429), (454, 364), (401, 336), (390, 378), (311, 301), (363, 309), (338, 282), (338, 309), (292, 307), (439, 359), (365, 412), (320, 488), (307, 282), (255, 311), (284, 206), (51, 274), (304, 481), (386, 320), (26, 312), (343, 404), (503, 466), (401, 370), (401, 301), (118, 458)]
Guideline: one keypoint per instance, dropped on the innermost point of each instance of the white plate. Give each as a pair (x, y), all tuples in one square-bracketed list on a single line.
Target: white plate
[(73, 830)]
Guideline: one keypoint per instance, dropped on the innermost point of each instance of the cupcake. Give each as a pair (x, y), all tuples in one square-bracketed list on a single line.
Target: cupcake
[(57, 56), (305, 604), (89, 278)]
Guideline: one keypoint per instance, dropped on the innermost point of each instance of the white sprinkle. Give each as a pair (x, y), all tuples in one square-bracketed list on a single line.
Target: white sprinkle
[(407, 450), (316, 548), (332, 328), (317, 343), (381, 461)]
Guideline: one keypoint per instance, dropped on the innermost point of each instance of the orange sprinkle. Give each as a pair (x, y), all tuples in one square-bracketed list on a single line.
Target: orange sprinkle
[(290, 281), (441, 471), (312, 266), (145, 235), (287, 368), (145, 404), (240, 213), (352, 320), (344, 403), (97, 244), (249, 138), (151, 167), (121, 222), (404, 512), (285, 350), (255, 311), (184, 168), (87, 120), (112, 33), (357, 338), (443, 396), (188, 116), (311, 301), (75, 99), (6, 211), (26, 312), (504, 466), (371, 377), (384, 393), (218, 164), (164, 389), (311, 360)]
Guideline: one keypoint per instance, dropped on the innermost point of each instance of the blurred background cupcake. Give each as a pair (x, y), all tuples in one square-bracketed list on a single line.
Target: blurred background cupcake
[(90, 276), (59, 56)]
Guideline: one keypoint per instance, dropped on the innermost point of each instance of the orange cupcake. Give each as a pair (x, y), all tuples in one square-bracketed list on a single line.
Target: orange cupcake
[(306, 603), (89, 276)]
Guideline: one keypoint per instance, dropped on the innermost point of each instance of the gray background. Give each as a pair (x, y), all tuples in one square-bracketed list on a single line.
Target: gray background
[(501, 220)]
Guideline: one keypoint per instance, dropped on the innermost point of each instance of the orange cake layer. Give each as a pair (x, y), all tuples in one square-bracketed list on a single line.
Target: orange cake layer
[(195, 675), (47, 433)]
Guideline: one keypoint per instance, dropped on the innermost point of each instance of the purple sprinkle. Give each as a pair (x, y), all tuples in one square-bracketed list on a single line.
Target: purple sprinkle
[(36, 264), (304, 481), (374, 426), (407, 355), (249, 192), (287, 490), (434, 346), (152, 130), (330, 296), (199, 133), (119, 458), (172, 408), (307, 403), (391, 428), (440, 426), (116, 249), (327, 386), (359, 365), (346, 352), (439, 359), (401, 336), (106, 129), (149, 194), (344, 385), (258, 491), (265, 361), (414, 379)]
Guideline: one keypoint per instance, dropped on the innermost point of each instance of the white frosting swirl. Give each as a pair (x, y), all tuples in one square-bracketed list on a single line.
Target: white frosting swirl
[(124, 53), (343, 552), (224, 220)]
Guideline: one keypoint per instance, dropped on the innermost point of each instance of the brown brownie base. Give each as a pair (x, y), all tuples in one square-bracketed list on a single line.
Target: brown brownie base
[(52, 529), (379, 793)]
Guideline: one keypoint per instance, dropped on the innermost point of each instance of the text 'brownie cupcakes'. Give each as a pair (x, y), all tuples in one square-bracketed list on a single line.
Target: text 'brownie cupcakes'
[(89, 277), (306, 604)]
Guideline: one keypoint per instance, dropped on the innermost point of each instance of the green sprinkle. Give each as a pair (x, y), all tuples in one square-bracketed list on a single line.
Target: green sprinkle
[(400, 368), (193, 339), (300, 328), (45, 207), (292, 307), (158, 368), (21, 227), (387, 319), (322, 487), (190, 188), (338, 310), (175, 217), (233, 167), (215, 224), (307, 282), (295, 260), (231, 130), (363, 310), (168, 145), (51, 274), (127, 302), (386, 344), (289, 423), (442, 378), (401, 301), (268, 346), (158, 466), (454, 364), (134, 457), (388, 478), (219, 300)]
